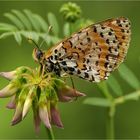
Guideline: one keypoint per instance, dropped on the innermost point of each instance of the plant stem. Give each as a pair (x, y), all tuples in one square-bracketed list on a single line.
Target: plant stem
[(110, 128), (70, 28), (111, 111), (104, 88), (50, 134), (110, 123)]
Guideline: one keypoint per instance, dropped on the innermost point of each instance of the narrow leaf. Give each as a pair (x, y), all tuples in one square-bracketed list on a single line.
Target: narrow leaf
[(14, 20), (53, 22), (23, 19), (55, 39), (37, 22), (42, 22), (104, 88), (7, 27), (29, 34), (6, 34), (35, 36), (95, 101), (132, 96), (3, 29), (18, 37), (47, 38), (66, 29), (114, 85), (33, 21), (129, 76)]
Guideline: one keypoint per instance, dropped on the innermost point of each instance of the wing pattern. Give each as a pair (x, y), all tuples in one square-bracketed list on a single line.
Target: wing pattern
[(94, 52)]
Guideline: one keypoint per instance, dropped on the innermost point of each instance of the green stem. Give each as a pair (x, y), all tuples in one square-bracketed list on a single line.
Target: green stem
[(110, 128), (104, 88), (50, 134), (110, 123), (111, 112), (71, 27)]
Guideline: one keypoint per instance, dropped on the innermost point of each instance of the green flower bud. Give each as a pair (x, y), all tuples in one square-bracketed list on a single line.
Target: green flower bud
[(43, 111), (18, 114), (8, 75), (55, 116), (67, 94), (28, 101), (19, 107), (8, 91), (14, 74), (37, 121), (70, 11), (12, 103)]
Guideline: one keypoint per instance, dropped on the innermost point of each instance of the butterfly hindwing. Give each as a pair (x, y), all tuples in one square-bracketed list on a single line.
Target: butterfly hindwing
[(94, 52)]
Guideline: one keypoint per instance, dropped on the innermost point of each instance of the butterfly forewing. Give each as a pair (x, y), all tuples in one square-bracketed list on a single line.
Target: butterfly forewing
[(94, 52)]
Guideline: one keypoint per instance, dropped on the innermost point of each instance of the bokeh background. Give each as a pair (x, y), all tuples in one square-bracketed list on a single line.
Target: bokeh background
[(80, 120)]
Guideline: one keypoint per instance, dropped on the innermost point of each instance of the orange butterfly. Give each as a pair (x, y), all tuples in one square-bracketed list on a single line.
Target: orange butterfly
[(92, 53)]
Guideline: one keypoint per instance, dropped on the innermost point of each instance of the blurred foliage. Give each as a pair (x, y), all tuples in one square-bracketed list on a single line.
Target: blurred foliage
[(27, 24), (30, 25)]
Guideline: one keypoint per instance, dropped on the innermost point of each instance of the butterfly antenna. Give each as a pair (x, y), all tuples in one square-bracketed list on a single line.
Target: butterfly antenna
[(49, 29), (30, 39)]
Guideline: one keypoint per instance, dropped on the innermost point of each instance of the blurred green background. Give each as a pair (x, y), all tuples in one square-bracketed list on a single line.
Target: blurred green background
[(80, 121)]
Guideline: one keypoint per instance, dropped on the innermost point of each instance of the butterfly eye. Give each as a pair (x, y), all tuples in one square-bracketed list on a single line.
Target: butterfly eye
[(39, 54)]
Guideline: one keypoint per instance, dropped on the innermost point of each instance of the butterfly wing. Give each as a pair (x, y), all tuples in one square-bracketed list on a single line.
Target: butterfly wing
[(94, 52)]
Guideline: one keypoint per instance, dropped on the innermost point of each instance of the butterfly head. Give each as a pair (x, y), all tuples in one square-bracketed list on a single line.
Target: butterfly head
[(37, 54)]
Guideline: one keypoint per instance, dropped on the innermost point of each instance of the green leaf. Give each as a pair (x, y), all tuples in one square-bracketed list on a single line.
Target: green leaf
[(53, 22), (26, 34), (104, 88), (55, 39), (98, 102), (66, 29), (47, 38), (18, 37), (7, 27), (132, 96), (33, 21), (29, 34), (114, 85), (129, 76), (15, 20), (23, 19), (3, 29), (42, 22), (6, 34), (37, 22), (35, 36)]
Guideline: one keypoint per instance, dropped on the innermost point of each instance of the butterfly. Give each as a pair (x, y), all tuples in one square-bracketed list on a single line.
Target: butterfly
[(91, 53)]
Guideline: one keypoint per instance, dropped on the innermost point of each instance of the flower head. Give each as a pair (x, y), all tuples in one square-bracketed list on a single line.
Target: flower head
[(70, 11), (29, 88)]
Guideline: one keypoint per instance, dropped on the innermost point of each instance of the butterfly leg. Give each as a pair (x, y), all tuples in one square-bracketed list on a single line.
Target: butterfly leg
[(75, 94), (42, 70)]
